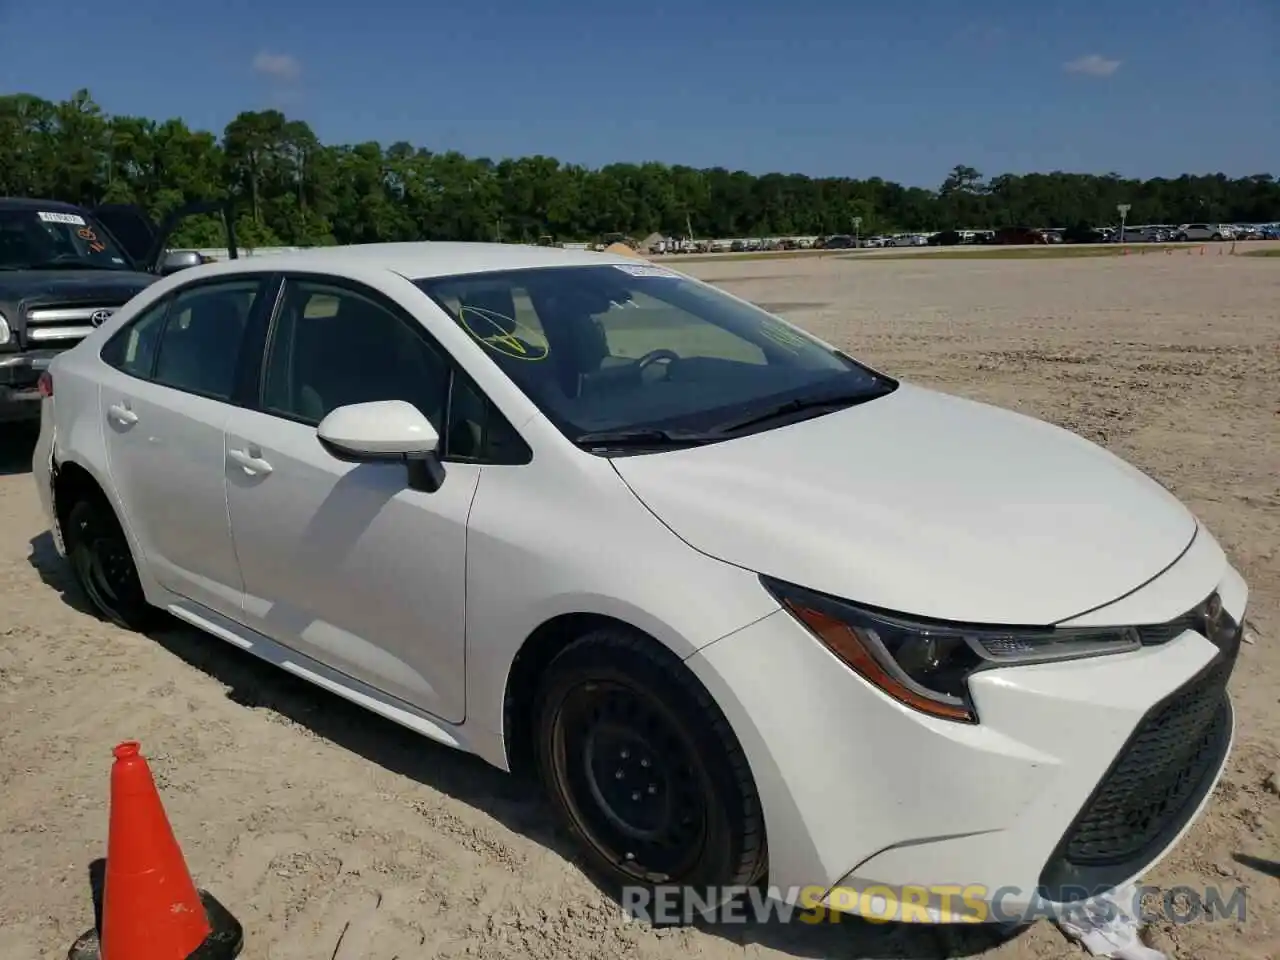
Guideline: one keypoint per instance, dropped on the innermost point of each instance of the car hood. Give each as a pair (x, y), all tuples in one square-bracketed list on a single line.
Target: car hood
[(34, 287), (925, 504)]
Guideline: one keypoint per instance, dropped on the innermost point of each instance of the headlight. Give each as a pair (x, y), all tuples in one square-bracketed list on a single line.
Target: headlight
[(5, 333), (927, 664)]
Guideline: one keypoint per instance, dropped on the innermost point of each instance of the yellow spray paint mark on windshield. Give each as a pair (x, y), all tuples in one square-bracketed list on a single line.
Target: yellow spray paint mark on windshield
[(503, 334)]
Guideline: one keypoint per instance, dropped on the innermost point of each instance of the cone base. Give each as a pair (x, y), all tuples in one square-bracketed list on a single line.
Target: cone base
[(224, 943)]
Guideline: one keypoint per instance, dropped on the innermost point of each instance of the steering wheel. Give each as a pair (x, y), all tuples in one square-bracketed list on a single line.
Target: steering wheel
[(655, 356)]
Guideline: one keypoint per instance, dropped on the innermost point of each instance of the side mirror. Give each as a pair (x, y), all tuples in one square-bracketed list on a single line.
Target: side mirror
[(385, 431), (175, 260)]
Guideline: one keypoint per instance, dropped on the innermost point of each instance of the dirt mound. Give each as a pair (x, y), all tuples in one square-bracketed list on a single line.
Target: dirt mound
[(624, 250)]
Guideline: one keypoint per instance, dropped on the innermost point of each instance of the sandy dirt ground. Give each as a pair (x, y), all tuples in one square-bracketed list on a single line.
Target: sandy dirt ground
[(335, 835)]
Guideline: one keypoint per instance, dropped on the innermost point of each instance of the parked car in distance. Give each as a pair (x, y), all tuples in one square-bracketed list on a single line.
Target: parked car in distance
[(840, 241), (1019, 236), (65, 270), (590, 518), (1083, 233), (1204, 231)]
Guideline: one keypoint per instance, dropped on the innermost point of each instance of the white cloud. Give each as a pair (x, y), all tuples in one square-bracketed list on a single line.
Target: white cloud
[(1092, 65), (278, 66)]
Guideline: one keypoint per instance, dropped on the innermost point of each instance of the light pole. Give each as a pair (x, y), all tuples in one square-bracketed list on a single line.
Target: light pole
[(1124, 209), (857, 227)]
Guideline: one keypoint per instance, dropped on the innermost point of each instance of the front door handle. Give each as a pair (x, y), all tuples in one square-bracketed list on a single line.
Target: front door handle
[(252, 465), (122, 414)]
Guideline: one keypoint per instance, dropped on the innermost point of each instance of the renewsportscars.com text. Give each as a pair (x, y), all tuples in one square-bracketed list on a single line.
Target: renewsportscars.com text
[(666, 905)]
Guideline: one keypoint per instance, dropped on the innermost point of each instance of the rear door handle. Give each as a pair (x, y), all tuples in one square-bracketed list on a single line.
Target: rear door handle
[(252, 465), (122, 414)]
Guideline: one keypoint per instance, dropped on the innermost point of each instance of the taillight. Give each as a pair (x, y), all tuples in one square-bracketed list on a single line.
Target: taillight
[(45, 384)]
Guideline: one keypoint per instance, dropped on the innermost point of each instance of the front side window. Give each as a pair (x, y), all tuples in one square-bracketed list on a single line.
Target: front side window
[(622, 347), (332, 346), (35, 239), (200, 346)]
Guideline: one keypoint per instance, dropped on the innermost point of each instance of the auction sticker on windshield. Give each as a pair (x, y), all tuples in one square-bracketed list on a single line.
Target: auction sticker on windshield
[(72, 218)]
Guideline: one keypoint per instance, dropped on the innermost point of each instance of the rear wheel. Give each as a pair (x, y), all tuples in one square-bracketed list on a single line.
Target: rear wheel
[(643, 768), (104, 567)]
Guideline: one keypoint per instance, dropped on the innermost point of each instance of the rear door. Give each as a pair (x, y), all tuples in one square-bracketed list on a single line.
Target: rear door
[(164, 407)]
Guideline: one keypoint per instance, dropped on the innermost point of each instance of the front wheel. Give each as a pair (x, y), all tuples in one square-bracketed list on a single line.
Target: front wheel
[(642, 766), (104, 567)]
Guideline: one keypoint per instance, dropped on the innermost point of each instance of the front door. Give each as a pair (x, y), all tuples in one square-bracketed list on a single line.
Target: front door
[(164, 409), (343, 562)]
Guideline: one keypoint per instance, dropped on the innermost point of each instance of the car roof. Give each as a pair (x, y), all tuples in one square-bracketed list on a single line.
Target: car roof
[(30, 203), (423, 259)]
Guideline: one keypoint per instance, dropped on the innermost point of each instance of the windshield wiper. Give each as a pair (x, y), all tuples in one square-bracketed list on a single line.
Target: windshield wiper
[(803, 404), (644, 437)]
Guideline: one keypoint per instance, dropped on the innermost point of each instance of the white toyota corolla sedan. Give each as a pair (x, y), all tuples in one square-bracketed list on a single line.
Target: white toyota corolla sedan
[(747, 606)]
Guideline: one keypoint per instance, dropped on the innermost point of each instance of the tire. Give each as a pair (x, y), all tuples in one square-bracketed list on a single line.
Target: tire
[(643, 768), (103, 565)]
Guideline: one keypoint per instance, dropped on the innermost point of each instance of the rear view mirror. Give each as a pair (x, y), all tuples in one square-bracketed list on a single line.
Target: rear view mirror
[(175, 260), (383, 431)]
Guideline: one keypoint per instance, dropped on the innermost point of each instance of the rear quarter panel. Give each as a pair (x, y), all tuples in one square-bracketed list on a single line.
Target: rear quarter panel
[(78, 435)]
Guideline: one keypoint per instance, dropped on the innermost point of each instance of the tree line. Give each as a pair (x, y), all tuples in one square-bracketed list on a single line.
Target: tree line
[(292, 190)]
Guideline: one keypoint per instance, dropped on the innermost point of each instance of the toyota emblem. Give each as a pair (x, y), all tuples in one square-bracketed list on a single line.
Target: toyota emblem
[(99, 317)]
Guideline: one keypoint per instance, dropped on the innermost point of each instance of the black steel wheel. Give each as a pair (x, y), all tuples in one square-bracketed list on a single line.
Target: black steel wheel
[(643, 768), (103, 565)]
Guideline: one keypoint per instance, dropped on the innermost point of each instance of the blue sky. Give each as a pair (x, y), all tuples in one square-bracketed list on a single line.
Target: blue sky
[(904, 90)]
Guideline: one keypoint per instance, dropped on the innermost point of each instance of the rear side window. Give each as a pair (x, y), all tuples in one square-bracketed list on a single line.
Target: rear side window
[(200, 346), (133, 349)]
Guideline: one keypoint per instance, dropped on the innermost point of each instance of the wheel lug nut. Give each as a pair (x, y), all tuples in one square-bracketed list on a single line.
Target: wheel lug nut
[(625, 754), (652, 789), (644, 762), (618, 776), (635, 795)]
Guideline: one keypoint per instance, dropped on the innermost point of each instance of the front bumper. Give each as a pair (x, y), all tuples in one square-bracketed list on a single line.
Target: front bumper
[(864, 797), (19, 373)]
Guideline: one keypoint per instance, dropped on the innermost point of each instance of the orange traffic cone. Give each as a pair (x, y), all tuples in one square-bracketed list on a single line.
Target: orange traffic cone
[(151, 908)]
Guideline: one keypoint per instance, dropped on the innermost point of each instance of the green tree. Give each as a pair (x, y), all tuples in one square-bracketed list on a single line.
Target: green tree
[(292, 189)]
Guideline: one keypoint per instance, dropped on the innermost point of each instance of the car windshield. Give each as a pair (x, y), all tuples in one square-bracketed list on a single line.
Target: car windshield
[(31, 238), (639, 350)]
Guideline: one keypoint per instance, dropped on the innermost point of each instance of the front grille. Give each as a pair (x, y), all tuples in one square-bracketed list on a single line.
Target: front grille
[(60, 326), (1156, 782), (1168, 757)]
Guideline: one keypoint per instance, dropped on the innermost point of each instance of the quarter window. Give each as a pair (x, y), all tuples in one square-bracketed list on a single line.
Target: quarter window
[(200, 346)]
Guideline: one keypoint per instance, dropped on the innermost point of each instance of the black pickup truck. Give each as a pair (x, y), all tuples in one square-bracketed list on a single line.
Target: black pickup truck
[(64, 270)]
